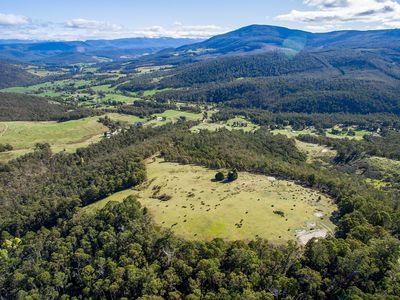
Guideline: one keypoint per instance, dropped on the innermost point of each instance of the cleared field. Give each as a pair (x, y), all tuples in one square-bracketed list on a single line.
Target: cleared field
[(202, 209), (235, 123), (359, 134), (103, 88), (173, 116), (120, 98), (289, 132), (153, 92), (61, 136), (316, 152), (50, 88)]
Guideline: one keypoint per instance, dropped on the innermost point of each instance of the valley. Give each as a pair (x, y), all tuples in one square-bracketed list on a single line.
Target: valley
[(260, 163)]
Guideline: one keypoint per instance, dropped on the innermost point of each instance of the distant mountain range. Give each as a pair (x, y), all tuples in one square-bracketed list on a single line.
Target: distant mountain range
[(280, 69), (50, 52), (253, 39), (256, 39), (259, 38)]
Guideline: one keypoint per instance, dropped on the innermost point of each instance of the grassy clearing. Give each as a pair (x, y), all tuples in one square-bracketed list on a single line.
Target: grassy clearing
[(24, 135), (103, 88), (120, 98), (237, 123), (66, 136), (359, 134), (125, 118), (290, 133), (50, 88), (153, 92), (202, 209), (389, 168), (173, 116), (149, 69), (316, 152)]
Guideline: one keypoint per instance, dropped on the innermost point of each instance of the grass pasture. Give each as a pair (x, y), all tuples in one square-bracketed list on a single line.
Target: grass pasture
[(231, 124), (316, 152), (200, 209), (149, 93), (69, 135), (173, 116)]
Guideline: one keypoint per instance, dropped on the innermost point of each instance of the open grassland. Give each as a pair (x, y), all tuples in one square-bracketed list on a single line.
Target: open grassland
[(290, 133), (119, 98), (153, 92), (235, 123), (359, 134), (66, 136), (316, 152), (149, 69), (202, 209), (50, 88), (389, 168), (173, 116)]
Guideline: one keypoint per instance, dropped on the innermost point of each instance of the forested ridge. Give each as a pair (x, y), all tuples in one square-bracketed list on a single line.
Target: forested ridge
[(347, 81), (13, 75), (24, 107)]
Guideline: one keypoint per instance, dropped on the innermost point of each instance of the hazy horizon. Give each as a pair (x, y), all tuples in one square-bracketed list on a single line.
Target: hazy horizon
[(88, 20)]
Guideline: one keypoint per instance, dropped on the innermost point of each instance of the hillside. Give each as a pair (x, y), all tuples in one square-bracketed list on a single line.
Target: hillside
[(12, 75), (257, 39), (263, 38), (23, 107), (65, 52), (350, 80)]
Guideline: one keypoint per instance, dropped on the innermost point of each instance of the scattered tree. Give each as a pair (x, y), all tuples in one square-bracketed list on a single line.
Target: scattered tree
[(219, 176), (232, 175)]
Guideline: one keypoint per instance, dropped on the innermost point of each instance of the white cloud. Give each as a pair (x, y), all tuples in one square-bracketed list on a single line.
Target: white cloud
[(84, 29), (92, 24), (178, 30), (10, 19), (327, 3), (339, 13)]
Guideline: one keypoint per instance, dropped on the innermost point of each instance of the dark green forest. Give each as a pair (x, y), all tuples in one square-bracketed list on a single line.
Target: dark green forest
[(13, 75), (24, 107)]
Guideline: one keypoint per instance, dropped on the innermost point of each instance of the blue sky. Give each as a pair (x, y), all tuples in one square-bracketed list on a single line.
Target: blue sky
[(87, 19)]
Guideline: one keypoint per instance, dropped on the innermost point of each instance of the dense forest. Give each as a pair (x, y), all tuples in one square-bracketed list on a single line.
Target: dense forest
[(24, 107), (347, 81), (296, 94), (13, 75)]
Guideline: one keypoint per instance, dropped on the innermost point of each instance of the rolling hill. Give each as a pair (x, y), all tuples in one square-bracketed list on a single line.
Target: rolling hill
[(261, 38), (12, 75), (23, 107), (258, 39), (64, 52), (280, 69)]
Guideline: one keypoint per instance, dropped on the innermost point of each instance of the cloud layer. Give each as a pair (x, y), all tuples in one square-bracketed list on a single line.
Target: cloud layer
[(11, 20), (21, 27), (329, 14)]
